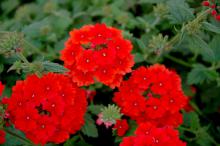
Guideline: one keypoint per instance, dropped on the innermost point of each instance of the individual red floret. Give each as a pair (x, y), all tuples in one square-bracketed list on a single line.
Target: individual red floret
[(82, 78), (47, 109), (86, 61), (71, 53), (121, 127), (205, 3), (94, 47)]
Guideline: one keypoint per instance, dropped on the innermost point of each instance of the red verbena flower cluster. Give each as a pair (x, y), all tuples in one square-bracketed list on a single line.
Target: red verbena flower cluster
[(2, 133), (215, 6), (47, 109), (152, 94), (97, 53), (2, 136), (148, 135), (1, 88), (121, 127)]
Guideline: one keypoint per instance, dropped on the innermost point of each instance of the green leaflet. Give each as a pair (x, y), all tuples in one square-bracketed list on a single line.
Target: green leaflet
[(199, 74), (89, 127)]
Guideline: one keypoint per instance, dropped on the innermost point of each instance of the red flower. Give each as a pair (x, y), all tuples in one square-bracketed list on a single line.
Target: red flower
[(121, 126), (214, 12), (155, 108), (2, 137), (105, 74), (215, 8), (47, 109), (151, 94), (82, 78), (148, 135), (94, 47), (72, 51), (26, 119), (105, 56), (217, 17), (144, 128), (205, 3), (86, 61), (1, 88)]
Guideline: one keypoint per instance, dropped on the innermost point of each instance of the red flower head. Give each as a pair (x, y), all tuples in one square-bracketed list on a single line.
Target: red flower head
[(152, 94), (2, 87), (47, 109), (2, 136), (121, 126), (97, 53), (215, 8), (205, 3), (148, 135)]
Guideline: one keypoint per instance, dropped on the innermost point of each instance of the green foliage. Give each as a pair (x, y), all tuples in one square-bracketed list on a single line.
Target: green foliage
[(75, 141), (13, 140), (53, 67), (180, 11), (214, 45), (201, 134), (95, 109), (202, 47), (89, 128), (199, 74), (210, 27)]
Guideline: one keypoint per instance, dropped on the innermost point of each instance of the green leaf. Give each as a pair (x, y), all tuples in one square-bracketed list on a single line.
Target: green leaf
[(13, 140), (191, 120), (74, 141), (1, 68), (179, 11), (53, 67), (203, 137), (200, 74), (138, 57), (90, 128), (203, 47), (82, 143), (33, 30), (151, 1), (214, 45), (211, 27), (71, 141), (9, 5), (95, 109), (62, 19), (132, 127)]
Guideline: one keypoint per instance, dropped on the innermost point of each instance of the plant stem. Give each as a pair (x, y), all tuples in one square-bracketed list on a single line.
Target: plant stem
[(212, 140), (22, 139), (187, 129), (179, 61), (23, 58)]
